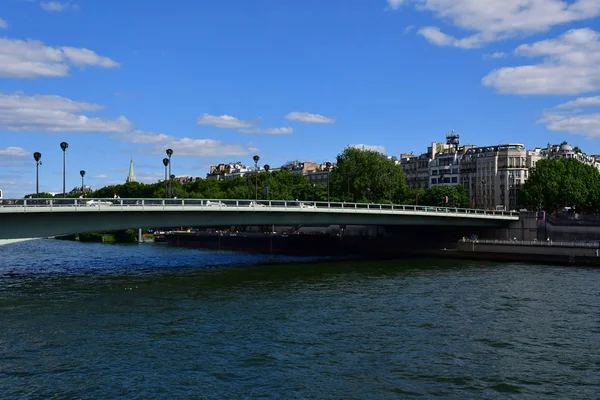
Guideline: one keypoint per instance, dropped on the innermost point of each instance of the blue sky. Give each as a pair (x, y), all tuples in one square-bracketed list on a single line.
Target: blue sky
[(296, 79)]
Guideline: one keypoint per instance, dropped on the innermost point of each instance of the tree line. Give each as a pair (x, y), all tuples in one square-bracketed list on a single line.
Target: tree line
[(555, 184), (360, 175)]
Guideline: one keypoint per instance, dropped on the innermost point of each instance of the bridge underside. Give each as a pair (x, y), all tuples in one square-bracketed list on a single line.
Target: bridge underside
[(44, 224)]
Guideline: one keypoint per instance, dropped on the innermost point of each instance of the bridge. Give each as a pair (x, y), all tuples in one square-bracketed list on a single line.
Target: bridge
[(30, 218)]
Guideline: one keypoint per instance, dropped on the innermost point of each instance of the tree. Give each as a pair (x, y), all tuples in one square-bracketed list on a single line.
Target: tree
[(555, 184), (367, 176), (41, 195), (436, 196)]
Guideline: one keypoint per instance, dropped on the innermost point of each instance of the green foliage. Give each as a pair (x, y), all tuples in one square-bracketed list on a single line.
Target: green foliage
[(366, 175), (361, 175), (555, 184), (436, 196), (42, 195), (91, 237)]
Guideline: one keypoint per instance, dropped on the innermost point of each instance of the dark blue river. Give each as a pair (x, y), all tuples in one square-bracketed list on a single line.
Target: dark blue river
[(94, 321)]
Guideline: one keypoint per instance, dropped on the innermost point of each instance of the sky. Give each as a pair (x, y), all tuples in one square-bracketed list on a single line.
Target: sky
[(221, 81)]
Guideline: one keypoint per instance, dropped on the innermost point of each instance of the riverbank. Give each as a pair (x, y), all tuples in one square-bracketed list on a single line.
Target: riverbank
[(127, 236), (557, 253)]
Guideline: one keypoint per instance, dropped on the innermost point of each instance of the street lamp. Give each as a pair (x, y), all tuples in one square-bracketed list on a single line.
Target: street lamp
[(172, 179), (328, 165), (166, 163), (82, 173), (314, 191), (267, 167), (390, 173), (37, 156), (256, 158), (169, 154), (63, 147)]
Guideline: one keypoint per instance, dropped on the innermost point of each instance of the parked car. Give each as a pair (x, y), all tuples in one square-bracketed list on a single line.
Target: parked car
[(256, 204), (307, 205), (98, 203), (215, 204)]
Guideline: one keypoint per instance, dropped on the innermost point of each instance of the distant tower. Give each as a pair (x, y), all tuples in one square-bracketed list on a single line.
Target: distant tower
[(453, 138), (131, 176)]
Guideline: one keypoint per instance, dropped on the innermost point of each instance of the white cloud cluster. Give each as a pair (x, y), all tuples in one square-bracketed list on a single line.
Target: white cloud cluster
[(13, 156), (229, 122), (184, 146), (55, 6), (3, 24), (570, 65), (379, 149), (395, 4), (269, 131), (13, 152), (493, 20), (573, 118), (309, 118), (223, 121), (33, 59), (42, 113)]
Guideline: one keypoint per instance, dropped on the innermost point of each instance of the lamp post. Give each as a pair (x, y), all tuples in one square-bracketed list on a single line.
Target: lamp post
[(267, 167), (314, 186), (172, 179), (256, 158), (390, 173), (82, 173), (368, 195), (483, 182), (328, 165), (169, 154), (37, 156), (166, 163), (64, 146)]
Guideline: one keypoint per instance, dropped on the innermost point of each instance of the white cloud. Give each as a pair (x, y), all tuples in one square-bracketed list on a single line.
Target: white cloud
[(570, 65), (14, 152), (203, 148), (100, 177), (56, 6), (581, 102), (395, 4), (223, 121), (570, 117), (149, 177), (186, 147), (309, 118), (270, 131), (83, 57), (496, 55), (141, 137), (3, 24), (409, 28), (43, 113), (492, 20), (33, 59), (379, 149), (437, 37)]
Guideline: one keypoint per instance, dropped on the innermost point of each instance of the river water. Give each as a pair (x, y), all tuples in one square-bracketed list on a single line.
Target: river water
[(149, 321)]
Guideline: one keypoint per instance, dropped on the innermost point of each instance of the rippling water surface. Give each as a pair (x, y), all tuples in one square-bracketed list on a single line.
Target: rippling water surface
[(142, 322)]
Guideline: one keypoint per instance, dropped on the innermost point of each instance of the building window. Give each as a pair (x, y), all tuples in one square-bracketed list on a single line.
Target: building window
[(455, 171), (454, 179), (434, 172), (433, 181)]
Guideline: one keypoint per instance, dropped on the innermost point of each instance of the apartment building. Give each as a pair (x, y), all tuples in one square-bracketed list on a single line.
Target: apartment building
[(493, 175), (229, 170)]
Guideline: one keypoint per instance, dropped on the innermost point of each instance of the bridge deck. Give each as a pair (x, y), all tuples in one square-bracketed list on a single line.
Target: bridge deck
[(16, 206)]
